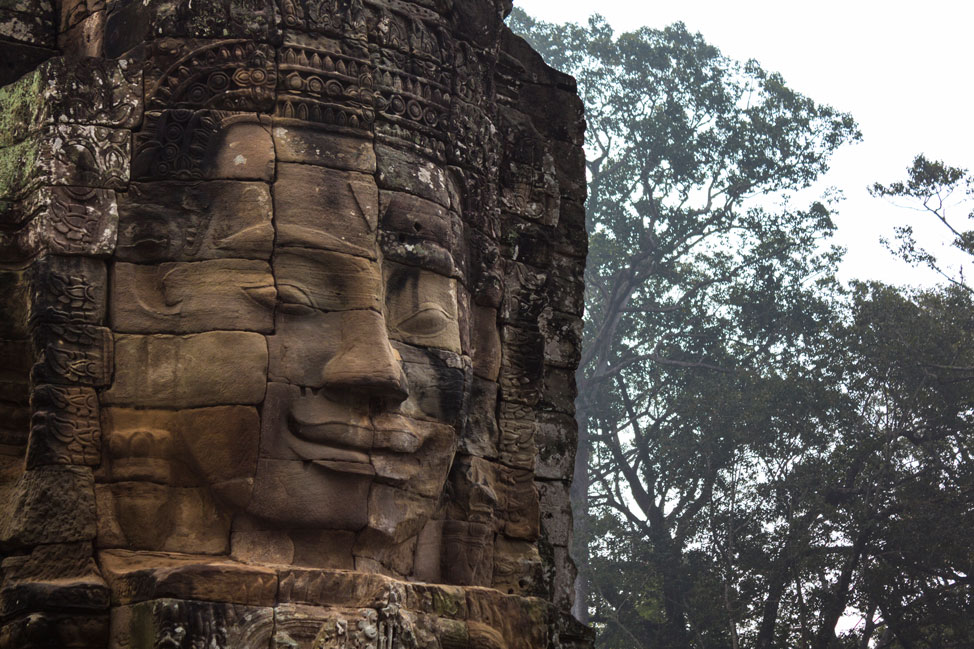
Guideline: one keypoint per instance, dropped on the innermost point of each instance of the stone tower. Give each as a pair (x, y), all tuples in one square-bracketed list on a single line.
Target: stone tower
[(291, 306)]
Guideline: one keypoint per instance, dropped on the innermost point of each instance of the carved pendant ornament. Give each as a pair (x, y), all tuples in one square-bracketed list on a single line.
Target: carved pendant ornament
[(291, 307)]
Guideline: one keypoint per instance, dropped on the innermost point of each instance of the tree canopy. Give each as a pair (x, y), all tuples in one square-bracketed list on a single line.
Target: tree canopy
[(761, 446)]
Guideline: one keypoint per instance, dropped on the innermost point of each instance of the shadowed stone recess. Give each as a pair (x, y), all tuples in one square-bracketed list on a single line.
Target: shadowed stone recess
[(290, 309)]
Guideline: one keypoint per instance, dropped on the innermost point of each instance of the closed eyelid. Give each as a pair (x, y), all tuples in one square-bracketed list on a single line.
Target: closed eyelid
[(428, 319), (293, 295)]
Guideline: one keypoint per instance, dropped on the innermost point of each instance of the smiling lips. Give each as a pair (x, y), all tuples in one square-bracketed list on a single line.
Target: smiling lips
[(341, 441)]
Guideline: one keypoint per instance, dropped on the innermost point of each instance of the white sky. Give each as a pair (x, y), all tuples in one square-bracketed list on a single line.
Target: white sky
[(903, 69)]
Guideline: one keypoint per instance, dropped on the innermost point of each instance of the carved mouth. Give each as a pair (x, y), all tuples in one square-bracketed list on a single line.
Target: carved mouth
[(330, 442)]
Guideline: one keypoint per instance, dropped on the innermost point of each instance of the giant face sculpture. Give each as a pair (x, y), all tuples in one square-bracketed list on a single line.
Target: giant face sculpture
[(302, 296)]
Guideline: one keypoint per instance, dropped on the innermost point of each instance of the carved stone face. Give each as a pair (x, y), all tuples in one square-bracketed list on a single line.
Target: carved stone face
[(313, 392), (365, 382), (291, 296)]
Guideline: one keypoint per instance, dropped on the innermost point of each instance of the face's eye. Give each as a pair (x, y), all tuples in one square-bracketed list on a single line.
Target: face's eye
[(428, 320), (293, 300)]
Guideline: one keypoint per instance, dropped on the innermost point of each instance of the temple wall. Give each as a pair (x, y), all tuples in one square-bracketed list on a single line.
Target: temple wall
[(222, 223)]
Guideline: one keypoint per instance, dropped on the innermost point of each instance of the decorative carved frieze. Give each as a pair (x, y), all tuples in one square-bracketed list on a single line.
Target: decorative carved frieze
[(66, 154), (232, 75), (64, 426)]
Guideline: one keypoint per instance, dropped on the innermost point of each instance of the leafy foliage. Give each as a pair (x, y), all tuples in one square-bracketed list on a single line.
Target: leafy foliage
[(932, 187), (761, 447)]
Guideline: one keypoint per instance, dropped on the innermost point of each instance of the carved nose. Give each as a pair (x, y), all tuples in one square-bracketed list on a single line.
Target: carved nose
[(366, 363)]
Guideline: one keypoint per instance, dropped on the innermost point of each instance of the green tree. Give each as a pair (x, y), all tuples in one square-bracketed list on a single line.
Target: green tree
[(938, 191), (762, 449), (699, 271)]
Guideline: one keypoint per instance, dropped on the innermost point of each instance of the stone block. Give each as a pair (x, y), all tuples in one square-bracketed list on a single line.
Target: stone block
[(333, 588), (524, 296), (64, 426), (145, 576), (421, 307), (68, 353), (190, 297), (526, 242), (394, 515), (571, 238), (215, 446), (517, 568), (48, 505), (327, 549), (557, 112), (28, 21), (570, 170), (522, 365), (556, 512), (223, 74), (327, 83), (300, 141), (73, 12), (52, 577), (518, 432), (486, 492), (66, 154), (326, 281), (47, 630), (421, 233), (27, 37), (566, 289), (325, 209), (132, 22), (96, 91), (159, 517), (557, 440), (304, 627), (67, 290), (85, 39), (407, 172), (219, 625), (412, 456), (437, 383), (322, 494), (214, 368), (14, 428), (192, 221), (68, 221), (346, 434), (467, 553), (203, 145), (480, 433), (303, 344), (13, 296), (559, 390), (561, 576), (485, 342), (344, 19), (563, 339), (15, 363)]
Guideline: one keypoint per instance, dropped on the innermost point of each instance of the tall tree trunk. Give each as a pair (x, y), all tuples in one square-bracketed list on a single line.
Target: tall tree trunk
[(579, 501), (835, 603), (772, 604), (671, 571)]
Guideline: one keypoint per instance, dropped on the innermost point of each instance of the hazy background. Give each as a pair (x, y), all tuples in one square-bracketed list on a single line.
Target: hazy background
[(902, 69)]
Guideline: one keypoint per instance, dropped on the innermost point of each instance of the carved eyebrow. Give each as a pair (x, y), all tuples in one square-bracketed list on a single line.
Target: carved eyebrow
[(300, 239)]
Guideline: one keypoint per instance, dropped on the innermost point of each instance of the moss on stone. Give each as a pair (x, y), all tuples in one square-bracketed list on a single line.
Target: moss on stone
[(21, 103)]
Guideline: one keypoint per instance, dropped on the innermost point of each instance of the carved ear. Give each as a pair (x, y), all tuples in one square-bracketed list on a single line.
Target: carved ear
[(150, 289)]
